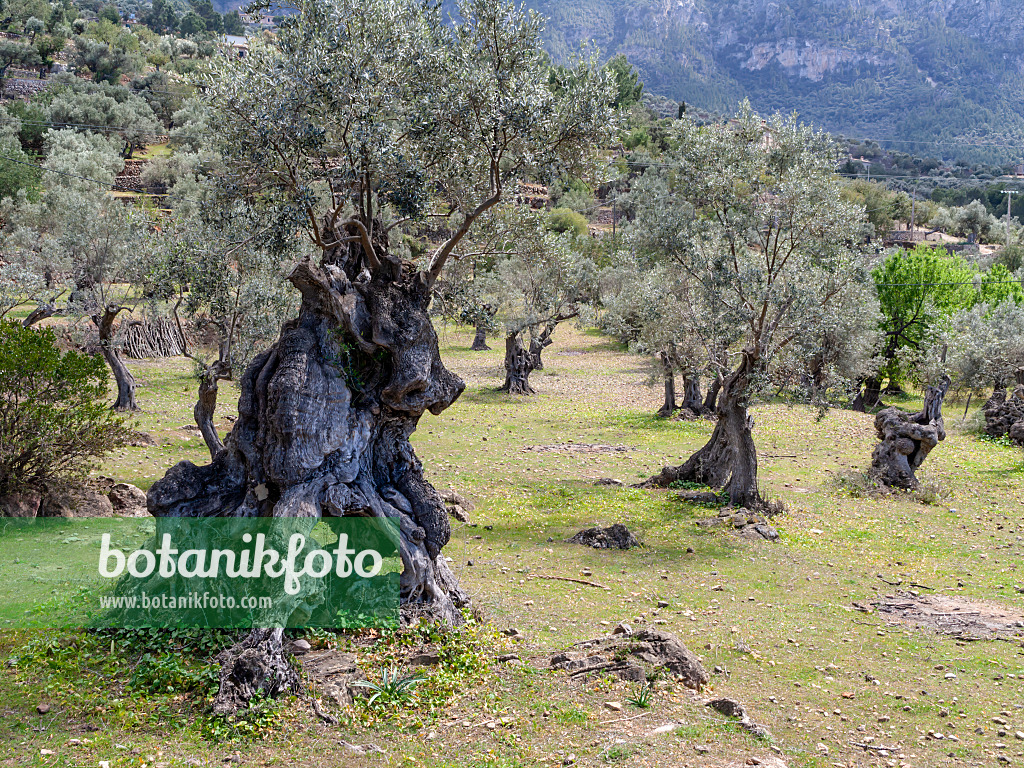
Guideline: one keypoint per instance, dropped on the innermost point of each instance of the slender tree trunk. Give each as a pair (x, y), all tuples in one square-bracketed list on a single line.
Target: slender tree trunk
[(324, 422), (206, 405), (669, 375), (539, 342), (480, 339), (122, 376), (711, 399), (518, 366), (691, 394), (729, 459)]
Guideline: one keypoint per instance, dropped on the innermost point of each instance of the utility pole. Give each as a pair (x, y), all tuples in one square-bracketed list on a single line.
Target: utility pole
[(1009, 199)]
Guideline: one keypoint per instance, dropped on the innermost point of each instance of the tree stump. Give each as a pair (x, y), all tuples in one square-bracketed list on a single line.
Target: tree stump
[(907, 439)]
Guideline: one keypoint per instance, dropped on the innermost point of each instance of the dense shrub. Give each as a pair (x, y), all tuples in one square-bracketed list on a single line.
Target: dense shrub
[(53, 424), (564, 220)]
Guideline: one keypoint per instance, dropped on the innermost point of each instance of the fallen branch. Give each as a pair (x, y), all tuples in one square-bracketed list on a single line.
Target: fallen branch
[(566, 578), (327, 717), (886, 581), (623, 719), (876, 747)]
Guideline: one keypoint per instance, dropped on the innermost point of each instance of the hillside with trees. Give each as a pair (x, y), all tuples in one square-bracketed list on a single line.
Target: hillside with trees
[(913, 71)]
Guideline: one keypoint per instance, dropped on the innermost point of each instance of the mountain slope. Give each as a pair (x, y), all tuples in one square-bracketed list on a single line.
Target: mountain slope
[(919, 72)]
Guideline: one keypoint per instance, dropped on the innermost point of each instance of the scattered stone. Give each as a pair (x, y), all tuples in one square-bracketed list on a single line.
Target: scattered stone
[(507, 657), (622, 655), (727, 707), (616, 536), (144, 439), (667, 728), (698, 497), (128, 500), (82, 501), (952, 615), (622, 629), (569, 760), (425, 660), (609, 481), (20, 504), (576, 448), (335, 672), (663, 604), (300, 647), (614, 706), (42, 709)]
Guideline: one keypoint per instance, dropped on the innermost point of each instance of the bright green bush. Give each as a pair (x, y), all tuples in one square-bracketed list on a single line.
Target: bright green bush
[(53, 423), (565, 220)]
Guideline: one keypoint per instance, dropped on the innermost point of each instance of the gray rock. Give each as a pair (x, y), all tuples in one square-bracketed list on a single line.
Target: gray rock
[(78, 502), (128, 500)]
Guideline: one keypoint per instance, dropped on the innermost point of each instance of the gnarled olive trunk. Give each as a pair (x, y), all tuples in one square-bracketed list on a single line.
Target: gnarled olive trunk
[(907, 439), (869, 397), (538, 342), (518, 366), (729, 459), (324, 421), (206, 405), (122, 376), (480, 339), (691, 394), (669, 375), (711, 399), (40, 313)]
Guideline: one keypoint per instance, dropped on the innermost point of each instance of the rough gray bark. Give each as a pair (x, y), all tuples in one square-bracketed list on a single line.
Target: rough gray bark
[(122, 376), (668, 374), (518, 366), (41, 312), (206, 405), (257, 664), (324, 420), (691, 394), (539, 341), (729, 459), (870, 397), (711, 399), (480, 339), (1005, 415), (906, 439)]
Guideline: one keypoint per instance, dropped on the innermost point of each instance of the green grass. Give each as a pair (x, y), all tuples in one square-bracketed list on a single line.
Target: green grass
[(790, 603)]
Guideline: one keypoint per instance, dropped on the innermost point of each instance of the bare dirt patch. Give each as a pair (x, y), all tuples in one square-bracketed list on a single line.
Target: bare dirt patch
[(576, 448), (950, 615)]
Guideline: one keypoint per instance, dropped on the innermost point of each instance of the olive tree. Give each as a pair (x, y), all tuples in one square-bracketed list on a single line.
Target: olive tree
[(230, 288), (360, 114), (751, 215), (80, 234), (539, 280)]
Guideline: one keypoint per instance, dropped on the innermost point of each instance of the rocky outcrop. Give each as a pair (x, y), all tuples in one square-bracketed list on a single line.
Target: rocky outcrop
[(83, 501)]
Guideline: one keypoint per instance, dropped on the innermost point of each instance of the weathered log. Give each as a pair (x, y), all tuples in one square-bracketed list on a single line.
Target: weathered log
[(906, 439)]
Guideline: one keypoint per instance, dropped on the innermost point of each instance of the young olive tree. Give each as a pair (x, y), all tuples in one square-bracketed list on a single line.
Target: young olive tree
[(649, 307), (82, 235), (541, 280), (229, 287), (360, 114), (752, 217)]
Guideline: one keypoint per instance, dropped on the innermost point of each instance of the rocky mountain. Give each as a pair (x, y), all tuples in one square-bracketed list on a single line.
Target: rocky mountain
[(935, 77)]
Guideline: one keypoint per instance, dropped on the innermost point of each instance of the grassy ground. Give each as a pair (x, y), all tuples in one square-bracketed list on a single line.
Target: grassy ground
[(776, 621)]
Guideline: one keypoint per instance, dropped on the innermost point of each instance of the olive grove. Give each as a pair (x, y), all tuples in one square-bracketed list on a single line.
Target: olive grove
[(363, 116)]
